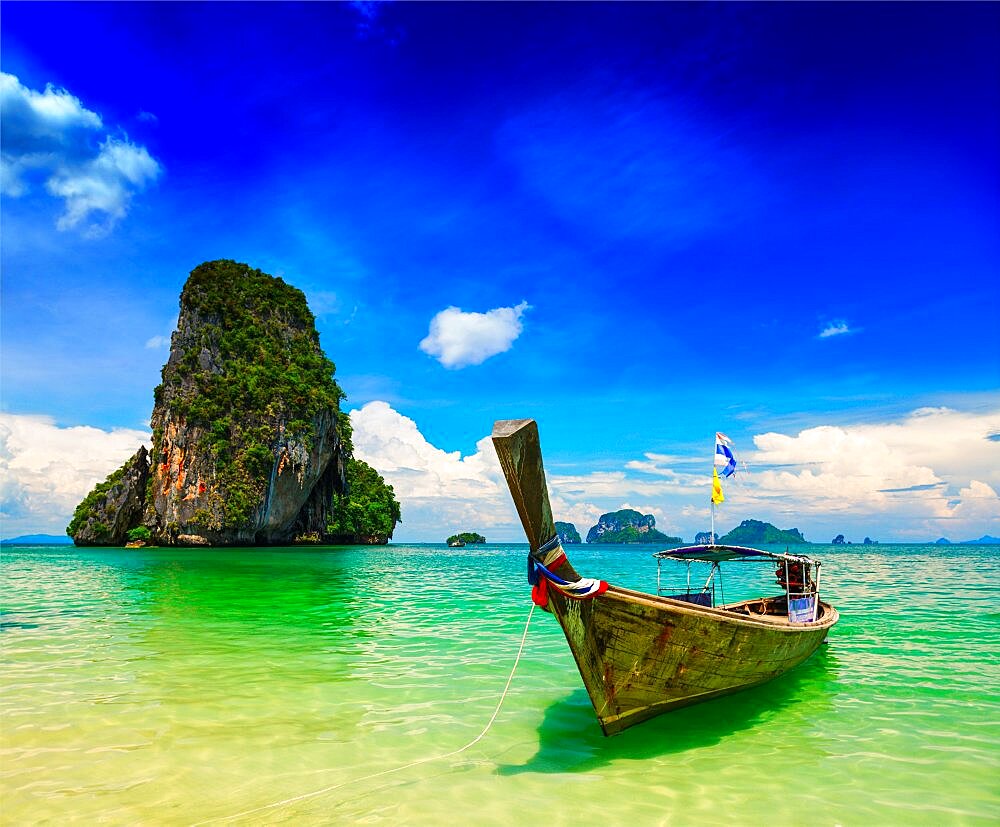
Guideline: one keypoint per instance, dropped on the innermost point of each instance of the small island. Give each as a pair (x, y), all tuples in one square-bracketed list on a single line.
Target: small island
[(754, 532), (840, 541), (568, 535), (464, 539), (628, 526), (250, 445)]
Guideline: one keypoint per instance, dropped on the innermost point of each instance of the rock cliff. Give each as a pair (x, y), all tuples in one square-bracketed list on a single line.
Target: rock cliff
[(567, 533), (249, 443), (114, 506), (628, 526)]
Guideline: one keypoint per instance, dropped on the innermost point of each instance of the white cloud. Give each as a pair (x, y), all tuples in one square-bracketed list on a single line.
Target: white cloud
[(104, 184), (46, 470), (928, 474), (52, 135), (41, 121), (458, 339), (838, 328), (443, 491), (978, 503), (440, 491), (932, 473), (162, 341)]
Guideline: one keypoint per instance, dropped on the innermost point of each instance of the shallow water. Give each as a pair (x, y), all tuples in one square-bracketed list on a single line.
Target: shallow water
[(180, 686)]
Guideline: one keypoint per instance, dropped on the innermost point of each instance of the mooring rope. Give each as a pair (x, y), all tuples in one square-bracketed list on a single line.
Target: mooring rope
[(332, 787)]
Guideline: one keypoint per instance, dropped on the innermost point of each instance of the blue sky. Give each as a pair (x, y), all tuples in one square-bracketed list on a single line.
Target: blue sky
[(652, 222)]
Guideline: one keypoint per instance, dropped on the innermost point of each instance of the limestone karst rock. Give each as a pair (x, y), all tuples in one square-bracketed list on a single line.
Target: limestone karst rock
[(249, 442)]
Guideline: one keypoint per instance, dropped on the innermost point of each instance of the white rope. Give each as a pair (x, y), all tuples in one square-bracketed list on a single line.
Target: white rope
[(332, 787)]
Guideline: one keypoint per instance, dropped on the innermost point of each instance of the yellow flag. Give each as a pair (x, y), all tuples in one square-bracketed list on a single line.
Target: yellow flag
[(717, 488)]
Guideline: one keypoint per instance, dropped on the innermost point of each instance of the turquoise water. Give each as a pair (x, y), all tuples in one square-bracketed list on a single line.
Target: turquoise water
[(181, 686)]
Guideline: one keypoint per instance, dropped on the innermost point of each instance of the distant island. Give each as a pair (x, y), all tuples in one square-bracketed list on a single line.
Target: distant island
[(840, 541), (250, 446), (465, 538), (754, 532), (985, 540), (38, 540), (628, 526), (568, 534)]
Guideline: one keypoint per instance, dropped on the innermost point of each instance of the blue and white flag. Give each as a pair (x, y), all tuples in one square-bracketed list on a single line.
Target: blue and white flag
[(724, 458)]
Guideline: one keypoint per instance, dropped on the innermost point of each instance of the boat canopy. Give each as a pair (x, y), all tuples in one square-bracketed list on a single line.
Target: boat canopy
[(720, 554)]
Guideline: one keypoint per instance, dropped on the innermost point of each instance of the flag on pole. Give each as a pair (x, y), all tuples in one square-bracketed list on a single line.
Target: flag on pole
[(723, 456), (717, 496)]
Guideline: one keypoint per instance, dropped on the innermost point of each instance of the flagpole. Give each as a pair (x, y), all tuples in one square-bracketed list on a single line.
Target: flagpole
[(711, 536)]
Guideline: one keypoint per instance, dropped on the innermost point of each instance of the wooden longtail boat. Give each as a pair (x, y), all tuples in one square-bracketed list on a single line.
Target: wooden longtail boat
[(643, 654)]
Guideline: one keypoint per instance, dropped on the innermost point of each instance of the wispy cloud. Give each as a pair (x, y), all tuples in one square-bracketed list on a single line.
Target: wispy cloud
[(369, 22), (51, 135), (458, 339), (627, 164), (837, 328)]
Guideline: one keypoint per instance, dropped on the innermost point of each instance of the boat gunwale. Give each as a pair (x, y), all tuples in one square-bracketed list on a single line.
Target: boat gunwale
[(828, 619)]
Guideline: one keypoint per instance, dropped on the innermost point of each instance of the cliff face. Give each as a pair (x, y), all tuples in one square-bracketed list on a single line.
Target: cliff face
[(249, 443), (248, 439), (113, 507), (628, 526), (568, 535)]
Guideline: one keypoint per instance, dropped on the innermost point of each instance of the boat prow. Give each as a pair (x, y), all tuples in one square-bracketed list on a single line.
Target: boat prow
[(643, 654)]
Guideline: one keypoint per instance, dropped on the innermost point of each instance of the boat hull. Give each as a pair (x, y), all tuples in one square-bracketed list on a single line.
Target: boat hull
[(640, 655)]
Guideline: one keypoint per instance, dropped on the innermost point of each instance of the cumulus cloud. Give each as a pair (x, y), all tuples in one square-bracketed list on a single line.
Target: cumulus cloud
[(935, 472), (51, 135), (445, 491), (838, 328), (931, 472), (458, 339), (46, 470), (440, 491), (49, 121)]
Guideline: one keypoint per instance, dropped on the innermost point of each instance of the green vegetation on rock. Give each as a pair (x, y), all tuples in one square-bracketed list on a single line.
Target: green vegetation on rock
[(466, 537), (567, 533), (113, 506), (92, 502), (245, 362), (249, 443), (628, 526), (368, 512), (630, 534), (754, 532)]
